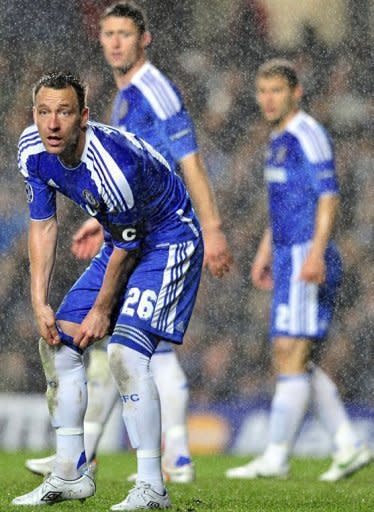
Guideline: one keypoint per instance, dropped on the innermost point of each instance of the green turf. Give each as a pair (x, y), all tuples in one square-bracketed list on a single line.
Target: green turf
[(211, 492)]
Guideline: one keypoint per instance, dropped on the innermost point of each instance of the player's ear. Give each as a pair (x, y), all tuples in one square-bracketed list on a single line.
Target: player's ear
[(146, 39), (298, 92), (84, 117)]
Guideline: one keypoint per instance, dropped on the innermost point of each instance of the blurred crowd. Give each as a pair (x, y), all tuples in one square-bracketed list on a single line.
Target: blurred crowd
[(211, 49)]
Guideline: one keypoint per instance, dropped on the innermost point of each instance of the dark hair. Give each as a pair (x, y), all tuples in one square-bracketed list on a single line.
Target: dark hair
[(279, 67), (127, 9), (61, 80)]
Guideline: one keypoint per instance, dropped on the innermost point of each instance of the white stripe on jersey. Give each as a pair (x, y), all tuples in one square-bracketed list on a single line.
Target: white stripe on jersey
[(30, 144), (107, 175), (158, 91), (172, 286), (303, 297), (312, 138)]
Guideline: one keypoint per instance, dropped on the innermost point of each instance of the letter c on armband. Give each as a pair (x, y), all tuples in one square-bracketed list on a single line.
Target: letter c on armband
[(129, 234)]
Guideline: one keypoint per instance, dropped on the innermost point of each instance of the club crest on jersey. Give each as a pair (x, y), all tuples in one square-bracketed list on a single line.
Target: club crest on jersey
[(280, 155), (90, 199), (29, 193)]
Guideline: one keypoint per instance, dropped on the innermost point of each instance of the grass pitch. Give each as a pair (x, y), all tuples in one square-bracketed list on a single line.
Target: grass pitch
[(302, 492)]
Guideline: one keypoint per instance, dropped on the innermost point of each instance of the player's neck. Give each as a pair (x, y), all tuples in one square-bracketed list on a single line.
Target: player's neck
[(282, 124), (123, 78), (72, 155)]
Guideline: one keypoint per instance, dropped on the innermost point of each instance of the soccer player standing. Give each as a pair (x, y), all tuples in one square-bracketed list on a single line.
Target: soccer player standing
[(150, 105), (298, 260), (140, 288)]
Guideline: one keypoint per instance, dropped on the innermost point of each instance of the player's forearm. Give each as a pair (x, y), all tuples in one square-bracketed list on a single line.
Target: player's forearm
[(120, 266), (42, 253), (201, 192), (264, 248), (325, 221)]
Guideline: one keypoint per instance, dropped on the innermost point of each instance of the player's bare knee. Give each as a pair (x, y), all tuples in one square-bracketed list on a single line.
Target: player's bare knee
[(291, 355)]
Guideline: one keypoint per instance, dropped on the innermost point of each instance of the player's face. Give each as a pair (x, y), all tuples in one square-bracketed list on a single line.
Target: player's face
[(277, 100), (60, 123), (122, 43)]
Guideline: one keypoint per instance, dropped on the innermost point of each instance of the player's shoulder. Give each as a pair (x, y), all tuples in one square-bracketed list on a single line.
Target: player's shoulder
[(30, 146), (111, 145), (160, 92), (30, 140), (312, 137), (106, 137)]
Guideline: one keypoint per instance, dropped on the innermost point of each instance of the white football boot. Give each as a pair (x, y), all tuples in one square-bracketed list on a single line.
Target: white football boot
[(347, 462), (142, 496), (260, 467), (55, 489), (181, 472)]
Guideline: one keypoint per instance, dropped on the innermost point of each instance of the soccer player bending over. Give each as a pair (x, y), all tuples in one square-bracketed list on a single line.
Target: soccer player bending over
[(140, 289)]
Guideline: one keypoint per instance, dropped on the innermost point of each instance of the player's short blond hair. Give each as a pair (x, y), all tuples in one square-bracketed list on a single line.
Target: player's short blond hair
[(279, 67)]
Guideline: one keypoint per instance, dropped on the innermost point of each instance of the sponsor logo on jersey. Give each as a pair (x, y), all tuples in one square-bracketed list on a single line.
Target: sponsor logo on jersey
[(29, 193), (275, 174)]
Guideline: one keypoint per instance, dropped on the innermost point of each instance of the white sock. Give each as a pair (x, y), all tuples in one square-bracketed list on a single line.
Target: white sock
[(69, 444), (141, 410), (288, 408), (67, 402), (172, 386), (330, 410), (102, 397)]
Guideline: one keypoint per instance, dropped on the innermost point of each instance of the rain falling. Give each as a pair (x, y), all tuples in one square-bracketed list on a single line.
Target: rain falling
[(212, 50)]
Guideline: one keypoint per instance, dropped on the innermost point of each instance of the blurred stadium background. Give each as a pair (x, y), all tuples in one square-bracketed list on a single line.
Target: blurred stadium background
[(211, 48)]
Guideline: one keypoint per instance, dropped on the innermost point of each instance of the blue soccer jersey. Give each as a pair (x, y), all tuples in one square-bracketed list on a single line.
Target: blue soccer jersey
[(152, 107), (121, 181), (299, 169)]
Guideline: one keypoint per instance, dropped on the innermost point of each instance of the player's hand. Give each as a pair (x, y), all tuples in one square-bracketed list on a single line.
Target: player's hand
[(87, 240), (217, 255), (46, 320), (313, 269), (93, 328), (261, 276)]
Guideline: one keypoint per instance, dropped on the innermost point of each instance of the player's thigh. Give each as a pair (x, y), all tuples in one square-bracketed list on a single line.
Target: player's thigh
[(82, 295), (291, 355), (161, 292)]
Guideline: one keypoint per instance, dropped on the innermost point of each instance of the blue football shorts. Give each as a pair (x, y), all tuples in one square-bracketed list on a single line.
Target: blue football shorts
[(158, 298), (300, 309)]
